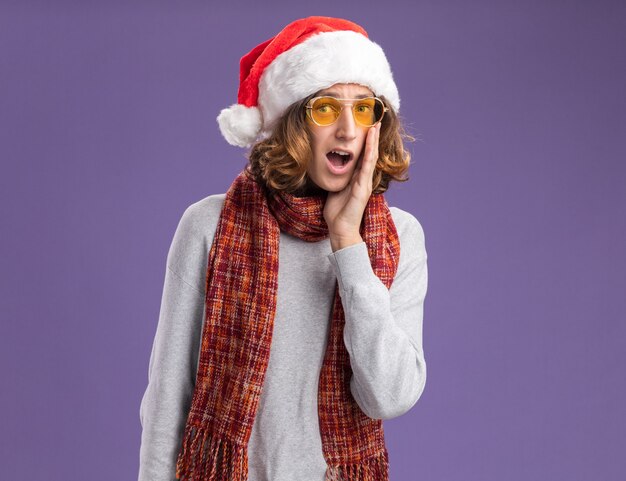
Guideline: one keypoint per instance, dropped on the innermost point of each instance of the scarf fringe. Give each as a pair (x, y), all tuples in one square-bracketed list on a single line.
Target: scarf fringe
[(207, 458), (375, 468)]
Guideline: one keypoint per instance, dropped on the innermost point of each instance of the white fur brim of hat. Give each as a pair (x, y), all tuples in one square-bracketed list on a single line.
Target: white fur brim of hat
[(319, 62)]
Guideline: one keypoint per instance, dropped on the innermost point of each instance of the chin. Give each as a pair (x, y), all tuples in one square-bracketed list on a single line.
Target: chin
[(338, 185), (328, 183), (335, 185)]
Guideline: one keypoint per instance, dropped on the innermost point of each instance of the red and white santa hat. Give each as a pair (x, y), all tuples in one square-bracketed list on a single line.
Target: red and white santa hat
[(308, 55)]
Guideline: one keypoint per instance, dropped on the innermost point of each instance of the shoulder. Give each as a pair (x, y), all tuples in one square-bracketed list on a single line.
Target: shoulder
[(412, 274), (195, 232), (200, 218), (410, 230), (205, 209)]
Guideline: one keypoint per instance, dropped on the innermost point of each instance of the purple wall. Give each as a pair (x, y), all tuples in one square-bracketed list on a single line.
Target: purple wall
[(108, 132)]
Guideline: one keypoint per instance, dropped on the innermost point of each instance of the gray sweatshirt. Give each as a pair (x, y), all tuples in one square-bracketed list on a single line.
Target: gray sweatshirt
[(382, 333)]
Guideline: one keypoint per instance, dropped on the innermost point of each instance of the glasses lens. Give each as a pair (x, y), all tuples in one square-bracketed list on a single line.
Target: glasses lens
[(368, 111), (326, 110)]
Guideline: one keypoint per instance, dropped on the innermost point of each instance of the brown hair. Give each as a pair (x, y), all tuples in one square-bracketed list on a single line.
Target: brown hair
[(280, 162)]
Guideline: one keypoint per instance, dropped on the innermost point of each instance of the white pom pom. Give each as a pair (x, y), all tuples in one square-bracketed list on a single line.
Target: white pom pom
[(240, 125)]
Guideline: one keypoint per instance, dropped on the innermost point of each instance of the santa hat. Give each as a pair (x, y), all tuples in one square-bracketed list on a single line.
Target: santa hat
[(308, 55)]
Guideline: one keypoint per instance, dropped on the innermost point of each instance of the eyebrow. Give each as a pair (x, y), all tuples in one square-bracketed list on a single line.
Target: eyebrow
[(333, 94)]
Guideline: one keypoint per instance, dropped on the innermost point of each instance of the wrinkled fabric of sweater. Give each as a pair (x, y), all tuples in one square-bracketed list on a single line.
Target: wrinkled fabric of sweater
[(382, 334)]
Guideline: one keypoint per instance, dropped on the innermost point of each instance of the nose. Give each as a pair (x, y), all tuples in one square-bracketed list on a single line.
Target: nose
[(346, 126)]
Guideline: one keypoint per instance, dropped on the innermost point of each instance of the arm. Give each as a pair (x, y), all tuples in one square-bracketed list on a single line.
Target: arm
[(174, 358), (383, 330)]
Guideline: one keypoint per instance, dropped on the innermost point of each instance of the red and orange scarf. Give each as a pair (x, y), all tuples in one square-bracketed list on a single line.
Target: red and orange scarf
[(241, 287)]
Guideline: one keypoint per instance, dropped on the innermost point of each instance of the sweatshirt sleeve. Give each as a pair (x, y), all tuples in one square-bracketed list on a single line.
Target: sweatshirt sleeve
[(383, 330), (175, 351)]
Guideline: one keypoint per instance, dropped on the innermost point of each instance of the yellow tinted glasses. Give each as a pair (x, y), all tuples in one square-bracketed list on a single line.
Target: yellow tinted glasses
[(325, 111)]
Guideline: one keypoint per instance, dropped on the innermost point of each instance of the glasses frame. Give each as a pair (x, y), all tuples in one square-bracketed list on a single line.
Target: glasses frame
[(309, 108)]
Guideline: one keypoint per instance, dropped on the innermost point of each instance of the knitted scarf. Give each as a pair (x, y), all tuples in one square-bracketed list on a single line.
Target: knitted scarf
[(241, 287)]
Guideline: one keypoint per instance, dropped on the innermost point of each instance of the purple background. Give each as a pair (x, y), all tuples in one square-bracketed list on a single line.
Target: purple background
[(108, 132)]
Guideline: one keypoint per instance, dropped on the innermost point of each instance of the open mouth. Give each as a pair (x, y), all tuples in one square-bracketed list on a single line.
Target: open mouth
[(338, 159)]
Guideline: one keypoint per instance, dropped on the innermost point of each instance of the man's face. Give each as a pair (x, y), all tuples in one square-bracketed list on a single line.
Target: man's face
[(345, 135)]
